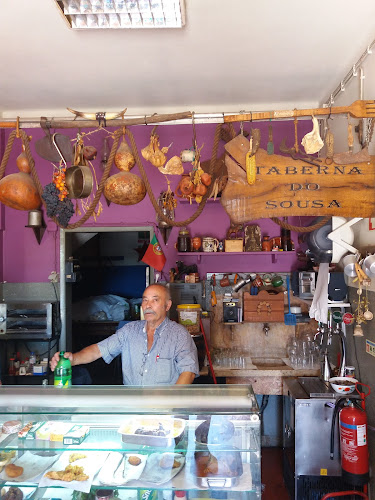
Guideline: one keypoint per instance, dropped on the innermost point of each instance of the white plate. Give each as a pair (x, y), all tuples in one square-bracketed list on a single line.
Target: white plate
[(33, 466), (91, 464), (153, 473)]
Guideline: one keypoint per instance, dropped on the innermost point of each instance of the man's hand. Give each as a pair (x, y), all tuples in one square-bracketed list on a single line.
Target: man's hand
[(56, 357)]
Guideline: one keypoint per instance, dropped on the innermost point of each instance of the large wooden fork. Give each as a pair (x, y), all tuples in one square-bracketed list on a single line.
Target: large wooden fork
[(358, 109)]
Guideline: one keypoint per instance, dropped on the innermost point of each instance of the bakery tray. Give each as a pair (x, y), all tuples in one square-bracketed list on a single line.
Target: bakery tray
[(233, 461), (173, 428)]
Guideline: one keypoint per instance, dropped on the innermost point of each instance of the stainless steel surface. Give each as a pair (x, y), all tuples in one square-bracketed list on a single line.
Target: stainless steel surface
[(216, 482), (339, 332), (27, 319), (326, 368), (236, 399), (314, 387), (307, 418), (306, 282), (313, 419)]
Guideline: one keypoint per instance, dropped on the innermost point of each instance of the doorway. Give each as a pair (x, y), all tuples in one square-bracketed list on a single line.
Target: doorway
[(104, 279)]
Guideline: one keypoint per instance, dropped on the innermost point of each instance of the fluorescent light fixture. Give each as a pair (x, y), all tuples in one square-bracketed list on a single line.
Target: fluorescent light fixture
[(120, 14)]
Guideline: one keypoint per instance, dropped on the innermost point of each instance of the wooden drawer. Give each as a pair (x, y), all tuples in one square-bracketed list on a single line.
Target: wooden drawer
[(264, 307)]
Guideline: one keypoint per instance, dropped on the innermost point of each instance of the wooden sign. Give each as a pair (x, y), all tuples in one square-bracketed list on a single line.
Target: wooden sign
[(286, 187)]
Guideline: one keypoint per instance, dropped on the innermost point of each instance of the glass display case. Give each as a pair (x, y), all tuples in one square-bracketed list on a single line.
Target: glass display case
[(73, 442)]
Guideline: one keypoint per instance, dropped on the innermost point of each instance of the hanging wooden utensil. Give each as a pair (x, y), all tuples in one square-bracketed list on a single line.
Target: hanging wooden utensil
[(270, 146), (296, 147), (250, 164), (350, 136), (329, 142), (349, 157)]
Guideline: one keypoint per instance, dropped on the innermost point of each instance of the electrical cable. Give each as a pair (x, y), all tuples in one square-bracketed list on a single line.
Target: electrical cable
[(264, 403), (43, 353)]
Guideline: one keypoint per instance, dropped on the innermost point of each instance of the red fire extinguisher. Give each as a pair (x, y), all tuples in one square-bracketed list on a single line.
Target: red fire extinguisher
[(353, 439)]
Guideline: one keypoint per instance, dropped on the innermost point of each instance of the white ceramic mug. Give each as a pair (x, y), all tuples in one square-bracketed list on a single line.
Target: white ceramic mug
[(209, 244)]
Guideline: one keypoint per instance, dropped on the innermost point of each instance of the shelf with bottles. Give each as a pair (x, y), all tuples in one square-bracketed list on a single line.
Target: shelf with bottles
[(273, 255)]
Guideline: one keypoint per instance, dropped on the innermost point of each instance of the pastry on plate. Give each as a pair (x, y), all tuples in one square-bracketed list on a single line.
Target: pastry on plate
[(133, 460), (76, 456), (12, 470), (168, 461)]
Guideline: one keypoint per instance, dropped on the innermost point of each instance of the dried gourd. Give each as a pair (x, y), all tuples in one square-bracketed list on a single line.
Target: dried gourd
[(23, 163), (158, 158), (146, 152), (173, 166), (124, 158), (250, 165)]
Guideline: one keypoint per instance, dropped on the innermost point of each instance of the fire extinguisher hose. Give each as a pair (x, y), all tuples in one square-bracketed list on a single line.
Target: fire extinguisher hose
[(339, 403)]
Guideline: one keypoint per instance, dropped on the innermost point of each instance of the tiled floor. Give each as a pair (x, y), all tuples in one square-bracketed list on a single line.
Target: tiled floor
[(272, 475)]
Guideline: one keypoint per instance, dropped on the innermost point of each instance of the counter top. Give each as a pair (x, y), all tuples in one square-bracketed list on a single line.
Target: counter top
[(264, 372), (267, 380)]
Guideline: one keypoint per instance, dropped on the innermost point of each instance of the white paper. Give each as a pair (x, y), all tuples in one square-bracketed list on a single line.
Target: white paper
[(91, 464), (153, 473), (33, 465)]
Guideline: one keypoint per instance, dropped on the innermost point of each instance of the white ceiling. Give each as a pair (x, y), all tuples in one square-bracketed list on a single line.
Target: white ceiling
[(231, 55)]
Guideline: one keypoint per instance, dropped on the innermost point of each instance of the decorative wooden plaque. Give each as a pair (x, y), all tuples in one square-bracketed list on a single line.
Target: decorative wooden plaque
[(286, 187)]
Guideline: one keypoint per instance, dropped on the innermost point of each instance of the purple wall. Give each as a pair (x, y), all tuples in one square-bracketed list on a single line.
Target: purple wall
[(23, 260)]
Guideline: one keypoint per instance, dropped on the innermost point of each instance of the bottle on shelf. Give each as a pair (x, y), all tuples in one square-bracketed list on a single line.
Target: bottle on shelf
[(63, 372), (183, 240), (32, 361), (286, 242), (180, 495), (17, 362), (266, 244), (11, 369)]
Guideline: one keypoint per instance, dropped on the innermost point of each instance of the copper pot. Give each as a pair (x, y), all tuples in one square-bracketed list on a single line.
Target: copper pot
[(79, 181)]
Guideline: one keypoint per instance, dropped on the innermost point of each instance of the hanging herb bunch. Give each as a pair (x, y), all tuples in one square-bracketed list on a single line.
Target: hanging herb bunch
[(56, 198), (152, 151)]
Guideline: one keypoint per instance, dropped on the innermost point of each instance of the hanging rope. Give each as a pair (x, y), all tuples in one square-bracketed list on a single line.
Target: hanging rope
[(148, 185), (26, 142), (301, 229), (219, 132)]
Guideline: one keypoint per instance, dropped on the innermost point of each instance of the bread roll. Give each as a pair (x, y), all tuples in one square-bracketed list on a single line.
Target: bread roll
[(12, 470)]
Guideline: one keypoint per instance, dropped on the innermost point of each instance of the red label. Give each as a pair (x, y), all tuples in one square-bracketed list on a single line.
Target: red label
[(348, 318)]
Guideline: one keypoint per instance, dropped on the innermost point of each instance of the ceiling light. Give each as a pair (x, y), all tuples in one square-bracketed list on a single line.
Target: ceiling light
[(118, 14)]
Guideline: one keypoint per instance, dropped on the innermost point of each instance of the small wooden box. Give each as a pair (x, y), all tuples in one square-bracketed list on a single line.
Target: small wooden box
[(264, 307), (234, 245)]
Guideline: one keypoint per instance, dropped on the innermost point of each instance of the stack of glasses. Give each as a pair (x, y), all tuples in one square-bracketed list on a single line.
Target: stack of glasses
[(303, 353)]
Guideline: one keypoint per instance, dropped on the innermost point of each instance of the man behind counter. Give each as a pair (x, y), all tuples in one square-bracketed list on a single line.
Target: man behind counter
[(156, 351)]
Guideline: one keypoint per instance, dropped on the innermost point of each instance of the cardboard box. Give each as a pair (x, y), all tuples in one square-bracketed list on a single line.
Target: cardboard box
[(76, 434), (234, 245)]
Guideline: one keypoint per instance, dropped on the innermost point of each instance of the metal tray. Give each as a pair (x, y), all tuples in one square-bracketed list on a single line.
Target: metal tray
[(175, 426), (214, 480)]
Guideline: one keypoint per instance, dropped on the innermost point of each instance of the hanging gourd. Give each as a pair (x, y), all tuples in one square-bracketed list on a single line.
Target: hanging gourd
[(18, 190), (124, 158), (124, 188)]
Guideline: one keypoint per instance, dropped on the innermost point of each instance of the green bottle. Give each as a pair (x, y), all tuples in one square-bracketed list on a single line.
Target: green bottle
[(63, 372)]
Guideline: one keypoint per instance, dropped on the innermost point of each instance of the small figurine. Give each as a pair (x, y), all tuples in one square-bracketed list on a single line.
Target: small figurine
[(172, 274)]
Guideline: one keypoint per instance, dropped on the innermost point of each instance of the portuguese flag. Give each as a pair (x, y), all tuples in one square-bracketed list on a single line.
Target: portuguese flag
[(154, 255)]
